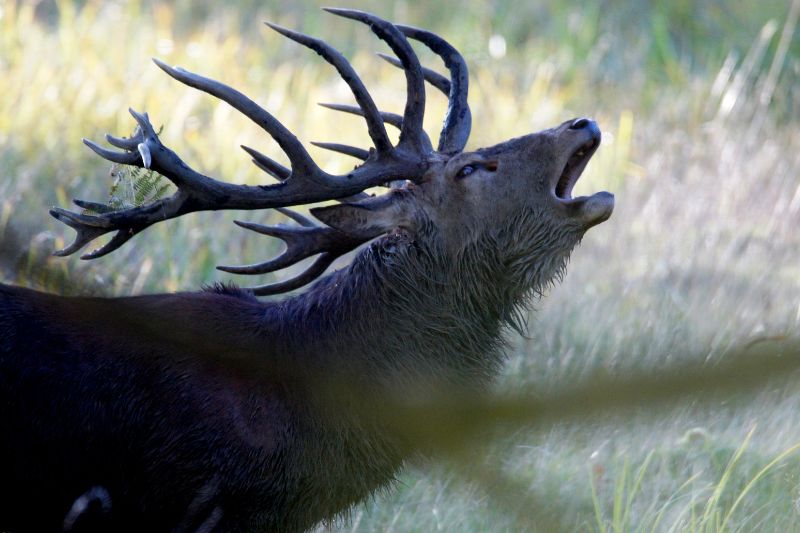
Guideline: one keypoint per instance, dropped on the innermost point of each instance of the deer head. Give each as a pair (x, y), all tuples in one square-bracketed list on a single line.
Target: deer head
[(514, 198)]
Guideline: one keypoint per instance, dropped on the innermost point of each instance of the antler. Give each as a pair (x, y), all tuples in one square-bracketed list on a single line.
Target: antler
[(458, 120), (303, 241), (303, 182)]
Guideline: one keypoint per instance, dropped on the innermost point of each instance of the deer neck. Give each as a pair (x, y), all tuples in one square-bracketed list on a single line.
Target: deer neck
[(417, 315)]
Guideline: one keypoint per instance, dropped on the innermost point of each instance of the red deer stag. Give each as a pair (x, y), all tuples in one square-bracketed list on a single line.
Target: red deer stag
[(211, 410)]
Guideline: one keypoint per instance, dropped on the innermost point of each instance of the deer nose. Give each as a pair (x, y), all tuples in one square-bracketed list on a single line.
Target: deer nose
[(580, 124)]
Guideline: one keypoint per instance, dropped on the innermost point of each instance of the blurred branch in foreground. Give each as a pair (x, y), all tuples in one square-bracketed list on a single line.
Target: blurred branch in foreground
[(450, 423), (451, 428)]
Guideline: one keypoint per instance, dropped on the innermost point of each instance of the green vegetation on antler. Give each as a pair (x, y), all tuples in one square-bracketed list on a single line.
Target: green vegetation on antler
[(134, 186)]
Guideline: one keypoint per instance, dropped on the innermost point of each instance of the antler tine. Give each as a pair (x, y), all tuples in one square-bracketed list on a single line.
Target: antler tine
[(411, 133), (390, 118), (307, 240), (122, 142), (86, 227), (122, 158), (93, 206), (268, 165), (352, 151), (89, 228), (431, 76), (301, 242), (370, 111), (316, 269), (297, 217), (302, 164), (458, 120)]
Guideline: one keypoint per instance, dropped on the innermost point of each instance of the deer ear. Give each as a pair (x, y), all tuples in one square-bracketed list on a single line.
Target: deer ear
[(366, 219)]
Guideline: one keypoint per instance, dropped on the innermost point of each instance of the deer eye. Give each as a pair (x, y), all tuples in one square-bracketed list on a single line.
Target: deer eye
[(466, 170)]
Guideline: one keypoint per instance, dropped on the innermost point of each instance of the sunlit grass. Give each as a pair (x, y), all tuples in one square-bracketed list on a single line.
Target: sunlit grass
[(702, 253)]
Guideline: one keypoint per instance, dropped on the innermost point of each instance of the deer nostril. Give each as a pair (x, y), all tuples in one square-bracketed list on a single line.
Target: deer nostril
[(579, 124)]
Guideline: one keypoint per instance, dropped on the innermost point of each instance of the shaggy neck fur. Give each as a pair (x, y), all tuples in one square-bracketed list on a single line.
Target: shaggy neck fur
[(410, 314)]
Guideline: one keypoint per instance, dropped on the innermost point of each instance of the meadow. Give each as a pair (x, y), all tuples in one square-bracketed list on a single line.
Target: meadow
[(699, 103)]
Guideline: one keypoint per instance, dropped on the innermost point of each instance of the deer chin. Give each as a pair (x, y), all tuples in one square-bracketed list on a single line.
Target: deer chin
[(591, 210)]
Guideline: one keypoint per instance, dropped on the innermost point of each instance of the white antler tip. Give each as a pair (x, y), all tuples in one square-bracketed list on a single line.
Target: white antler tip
[(144, 151)]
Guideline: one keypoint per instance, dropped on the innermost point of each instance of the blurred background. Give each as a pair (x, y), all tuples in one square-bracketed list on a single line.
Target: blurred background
[(699, 103)]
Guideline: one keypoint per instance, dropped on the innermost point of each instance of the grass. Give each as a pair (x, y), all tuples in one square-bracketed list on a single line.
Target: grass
[(699, 106)]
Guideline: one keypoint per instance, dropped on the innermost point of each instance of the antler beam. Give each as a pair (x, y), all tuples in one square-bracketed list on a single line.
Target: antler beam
[(197, 192)]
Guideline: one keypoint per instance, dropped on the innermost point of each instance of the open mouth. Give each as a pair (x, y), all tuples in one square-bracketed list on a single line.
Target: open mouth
[(575, 165)]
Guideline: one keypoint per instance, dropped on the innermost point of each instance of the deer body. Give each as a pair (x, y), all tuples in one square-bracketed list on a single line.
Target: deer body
[(201, 416), (172, 434), (215, 411)]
